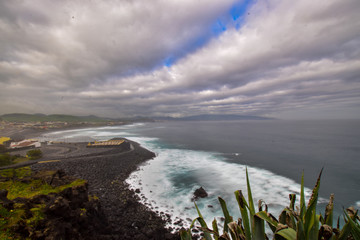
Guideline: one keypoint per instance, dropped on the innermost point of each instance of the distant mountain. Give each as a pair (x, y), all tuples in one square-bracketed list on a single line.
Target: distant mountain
[(23, 117), (38, 117), (212, 117)]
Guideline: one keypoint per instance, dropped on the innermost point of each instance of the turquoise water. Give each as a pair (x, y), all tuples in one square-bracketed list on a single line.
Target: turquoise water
[(214, 155)]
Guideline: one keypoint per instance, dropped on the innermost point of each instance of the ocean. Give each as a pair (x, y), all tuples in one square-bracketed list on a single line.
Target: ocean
[(215, 154)]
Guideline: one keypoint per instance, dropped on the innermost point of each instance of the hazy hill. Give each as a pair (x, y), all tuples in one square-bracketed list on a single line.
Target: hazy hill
[(212, 117), (23, 117)]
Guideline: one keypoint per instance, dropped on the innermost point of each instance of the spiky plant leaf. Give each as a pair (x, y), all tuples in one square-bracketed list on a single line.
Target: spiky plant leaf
[(259, 228), (237, 233), (288, 233), (250, 198), (325, 232), (271, 220), (202, 222), (292, 201), (215, 229), (225, 236), (198, 211), (311, 223), (185, 234), (345, 232), (282, 217), (228, 218), (244, 213), (300, 232), (329, 211), (355, 228), (302, 198)]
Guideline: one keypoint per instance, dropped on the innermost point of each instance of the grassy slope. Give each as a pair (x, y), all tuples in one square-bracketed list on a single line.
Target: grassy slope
[(25, 189)]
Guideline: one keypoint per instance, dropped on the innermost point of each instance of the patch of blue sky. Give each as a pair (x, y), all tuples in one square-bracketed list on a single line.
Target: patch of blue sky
[(233, 19), (169, 61)]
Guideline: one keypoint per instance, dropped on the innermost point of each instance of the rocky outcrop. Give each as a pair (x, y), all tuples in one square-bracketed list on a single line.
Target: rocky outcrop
[(68, 214), (199, 193)]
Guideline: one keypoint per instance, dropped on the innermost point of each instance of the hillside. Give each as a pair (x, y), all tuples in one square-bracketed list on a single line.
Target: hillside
[(212, 117), (23, 117)]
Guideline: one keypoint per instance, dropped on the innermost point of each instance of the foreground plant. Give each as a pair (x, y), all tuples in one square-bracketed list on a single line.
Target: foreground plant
[(301, 223)]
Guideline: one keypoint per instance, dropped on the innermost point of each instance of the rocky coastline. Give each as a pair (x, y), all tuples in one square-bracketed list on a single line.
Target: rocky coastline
[(106, 170)]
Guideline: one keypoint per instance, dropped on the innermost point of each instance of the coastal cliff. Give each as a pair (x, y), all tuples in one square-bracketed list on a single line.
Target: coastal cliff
[(102, 207)]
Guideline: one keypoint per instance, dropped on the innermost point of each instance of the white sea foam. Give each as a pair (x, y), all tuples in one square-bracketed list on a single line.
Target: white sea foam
[(167, 182)]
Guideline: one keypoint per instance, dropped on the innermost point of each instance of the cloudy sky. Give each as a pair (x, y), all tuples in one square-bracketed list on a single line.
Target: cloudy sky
[(119, 58)]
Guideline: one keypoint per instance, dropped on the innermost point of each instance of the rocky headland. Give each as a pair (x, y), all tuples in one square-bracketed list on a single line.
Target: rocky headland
[(118, 213)]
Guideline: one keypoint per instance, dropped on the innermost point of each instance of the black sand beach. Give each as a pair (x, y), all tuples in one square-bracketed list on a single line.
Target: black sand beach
[(106, 169)]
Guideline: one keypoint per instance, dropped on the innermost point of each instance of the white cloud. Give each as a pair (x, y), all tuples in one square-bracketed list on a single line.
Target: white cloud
[(106, 57)]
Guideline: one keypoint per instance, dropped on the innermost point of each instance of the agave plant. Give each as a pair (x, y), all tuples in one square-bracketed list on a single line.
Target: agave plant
[(294, 223)]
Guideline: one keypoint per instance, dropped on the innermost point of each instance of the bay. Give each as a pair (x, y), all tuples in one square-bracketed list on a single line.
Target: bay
[(214, 155)]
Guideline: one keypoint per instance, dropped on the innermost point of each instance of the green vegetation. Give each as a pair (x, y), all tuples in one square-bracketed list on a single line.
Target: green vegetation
[(30, 188), (300, 224), (34, 154), (2, 148), (22, 183), (6, 159)]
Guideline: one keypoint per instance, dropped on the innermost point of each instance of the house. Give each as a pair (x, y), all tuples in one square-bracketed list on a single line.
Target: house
[(27, 143)]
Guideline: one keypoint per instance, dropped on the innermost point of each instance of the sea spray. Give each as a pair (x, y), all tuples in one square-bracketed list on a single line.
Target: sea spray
[(166, 183)]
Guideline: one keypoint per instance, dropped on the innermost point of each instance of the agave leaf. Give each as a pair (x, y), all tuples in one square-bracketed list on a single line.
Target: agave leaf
[(288, 233), (259, 228), (215, 229), (282, 217), (225, 236), (310, 218), (290, 218), (302, 198), (202, 222), (198, 211), (251, 202), (345, 232), (292, 201), (329, 211), (185, 234), (262, 203), (271, 220), (355, 228), (244, 213), (314, 231), (236, 231), (315, 191), (300, 232), (325, 232), (311, 221), (193, 223), (227, 216)]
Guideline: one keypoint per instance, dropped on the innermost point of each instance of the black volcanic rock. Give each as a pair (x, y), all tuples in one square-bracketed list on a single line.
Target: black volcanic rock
[(200, 193)]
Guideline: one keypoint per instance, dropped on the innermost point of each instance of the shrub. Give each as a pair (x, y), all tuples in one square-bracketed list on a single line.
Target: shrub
[(34, 154), (5, 159), (2, 148), (299, 224)]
